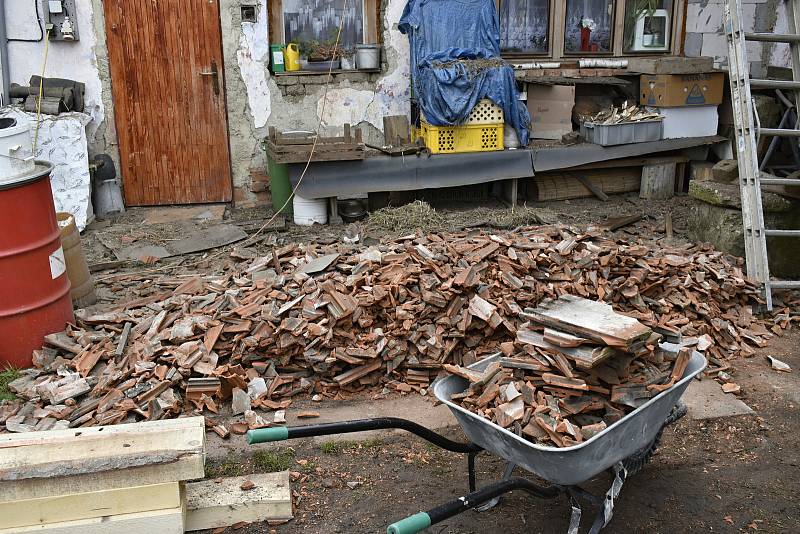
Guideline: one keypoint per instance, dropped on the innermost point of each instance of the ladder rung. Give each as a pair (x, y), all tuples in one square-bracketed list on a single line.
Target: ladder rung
[(779, 132), (780, 181), (782, 233), (774, 84), (785, 284), (773, 37)]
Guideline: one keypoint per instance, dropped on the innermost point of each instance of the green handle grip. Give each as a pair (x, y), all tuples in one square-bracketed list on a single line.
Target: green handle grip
[(411, 524), (265, 435)]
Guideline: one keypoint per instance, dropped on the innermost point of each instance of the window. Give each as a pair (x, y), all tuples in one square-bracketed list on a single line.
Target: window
[(525, 26), (303, 21), (318, 20), (647, 26), (589, 26), (561, 29)]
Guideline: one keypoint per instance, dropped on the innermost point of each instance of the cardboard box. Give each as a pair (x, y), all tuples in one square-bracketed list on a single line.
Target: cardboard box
[(678, 90), (550, 107), (691, 121)]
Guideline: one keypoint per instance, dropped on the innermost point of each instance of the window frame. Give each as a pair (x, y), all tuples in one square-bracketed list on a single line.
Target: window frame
[(371, 19), (556, 39)]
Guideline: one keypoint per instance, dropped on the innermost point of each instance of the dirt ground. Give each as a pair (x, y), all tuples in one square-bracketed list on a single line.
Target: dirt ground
[(725, 475), (734, 474)]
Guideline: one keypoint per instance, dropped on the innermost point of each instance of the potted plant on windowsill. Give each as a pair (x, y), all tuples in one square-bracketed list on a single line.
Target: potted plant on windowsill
[(322, 56)]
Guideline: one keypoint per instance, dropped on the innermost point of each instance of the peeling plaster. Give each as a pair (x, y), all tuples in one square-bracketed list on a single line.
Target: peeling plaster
[(253, 59), (73, 60)]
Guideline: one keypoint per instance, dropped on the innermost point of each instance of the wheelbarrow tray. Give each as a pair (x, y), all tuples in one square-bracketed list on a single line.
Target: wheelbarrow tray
[(570, 466)]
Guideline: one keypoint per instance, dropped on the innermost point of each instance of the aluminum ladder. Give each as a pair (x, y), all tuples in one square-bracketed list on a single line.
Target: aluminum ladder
[(748, 130)]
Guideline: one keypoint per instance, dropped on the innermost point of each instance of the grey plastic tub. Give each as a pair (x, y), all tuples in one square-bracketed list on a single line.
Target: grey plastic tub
[(620, 134), (570, 465)]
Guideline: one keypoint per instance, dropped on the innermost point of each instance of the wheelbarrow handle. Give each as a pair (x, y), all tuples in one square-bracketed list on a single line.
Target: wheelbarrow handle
[(411, 524), (423, 520), (264, 435)]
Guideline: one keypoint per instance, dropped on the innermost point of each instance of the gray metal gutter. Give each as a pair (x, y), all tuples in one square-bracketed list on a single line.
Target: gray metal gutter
[(409, 173), (563, 157)]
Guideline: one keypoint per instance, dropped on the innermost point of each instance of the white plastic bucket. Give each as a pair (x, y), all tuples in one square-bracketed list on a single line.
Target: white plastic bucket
[(16, 151), (310, 211), (368, 56)]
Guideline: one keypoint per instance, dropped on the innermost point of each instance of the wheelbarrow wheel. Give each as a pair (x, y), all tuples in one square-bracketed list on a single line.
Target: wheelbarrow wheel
[(636, 461)]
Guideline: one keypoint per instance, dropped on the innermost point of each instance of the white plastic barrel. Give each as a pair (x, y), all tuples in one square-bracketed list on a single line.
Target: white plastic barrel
[(368, 56), (310, 211), (16, 150)]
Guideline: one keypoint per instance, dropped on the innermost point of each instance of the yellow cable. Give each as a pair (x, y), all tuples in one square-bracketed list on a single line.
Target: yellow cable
[(41, 91)]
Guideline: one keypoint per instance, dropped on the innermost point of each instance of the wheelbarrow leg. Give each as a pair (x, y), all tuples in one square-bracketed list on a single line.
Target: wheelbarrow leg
[(495, 501)]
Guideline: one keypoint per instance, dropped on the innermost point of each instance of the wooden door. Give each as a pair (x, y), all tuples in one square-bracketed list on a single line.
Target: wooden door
[(169, 100)]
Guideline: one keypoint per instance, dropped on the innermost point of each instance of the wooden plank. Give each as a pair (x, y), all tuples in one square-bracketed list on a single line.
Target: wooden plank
[(584, 357), (54, 458), (169, 521), (596, 191), (591, 319), (174, 143), (671, 65), (658, 181), (222, 502), (72, 507)]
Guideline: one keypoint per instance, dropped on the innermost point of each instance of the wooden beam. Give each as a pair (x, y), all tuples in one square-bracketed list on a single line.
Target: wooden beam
[(170, 521), (72, 507), (221, 503), (58, 462), (596, 191)]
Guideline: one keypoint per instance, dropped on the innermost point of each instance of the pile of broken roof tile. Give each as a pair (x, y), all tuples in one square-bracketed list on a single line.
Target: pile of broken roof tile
[(330, 320), (575, 369)]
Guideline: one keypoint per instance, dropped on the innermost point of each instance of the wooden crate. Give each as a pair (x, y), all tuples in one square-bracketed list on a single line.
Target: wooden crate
[(300, 147)]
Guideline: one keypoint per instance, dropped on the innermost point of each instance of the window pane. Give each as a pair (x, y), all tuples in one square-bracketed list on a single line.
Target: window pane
[(524, 26), (318, 20), (648, 25), (588, 26)]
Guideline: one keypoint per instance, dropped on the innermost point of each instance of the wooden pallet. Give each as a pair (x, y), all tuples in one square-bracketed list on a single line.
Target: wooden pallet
[(300, 147)]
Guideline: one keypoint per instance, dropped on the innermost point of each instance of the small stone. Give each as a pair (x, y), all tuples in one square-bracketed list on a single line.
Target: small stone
[(280, 417), (254, 420), (731, 387), (239, 428), (307, 414), (317, 398), (779, 365), (256, 388), (240, 402), (353, 484), (247, 485)]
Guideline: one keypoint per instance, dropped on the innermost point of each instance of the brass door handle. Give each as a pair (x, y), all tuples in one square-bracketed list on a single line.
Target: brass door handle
[(214, 73)]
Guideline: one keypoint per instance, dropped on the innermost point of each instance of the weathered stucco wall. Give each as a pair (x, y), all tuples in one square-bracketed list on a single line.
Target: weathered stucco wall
[(85, 60), (256, 101), (705, 37)]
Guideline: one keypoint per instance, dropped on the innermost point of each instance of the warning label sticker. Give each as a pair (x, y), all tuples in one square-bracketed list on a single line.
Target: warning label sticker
[(58, 264)]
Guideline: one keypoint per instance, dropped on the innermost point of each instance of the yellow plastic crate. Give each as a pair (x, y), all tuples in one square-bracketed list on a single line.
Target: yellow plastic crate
[(465, 138)]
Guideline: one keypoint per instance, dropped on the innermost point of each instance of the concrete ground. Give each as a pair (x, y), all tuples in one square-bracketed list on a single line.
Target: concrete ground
[(731, 465)]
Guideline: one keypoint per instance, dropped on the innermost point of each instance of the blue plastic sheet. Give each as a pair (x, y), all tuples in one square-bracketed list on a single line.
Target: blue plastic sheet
[(450, 43)]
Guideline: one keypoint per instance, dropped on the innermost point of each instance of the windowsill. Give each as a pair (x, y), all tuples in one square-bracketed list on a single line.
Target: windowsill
[(324, 72)]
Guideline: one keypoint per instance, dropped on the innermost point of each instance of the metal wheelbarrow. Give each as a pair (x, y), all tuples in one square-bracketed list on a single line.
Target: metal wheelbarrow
[(624, 448)]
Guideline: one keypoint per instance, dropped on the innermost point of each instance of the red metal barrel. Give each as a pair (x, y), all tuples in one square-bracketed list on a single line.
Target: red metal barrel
[(34, 287)]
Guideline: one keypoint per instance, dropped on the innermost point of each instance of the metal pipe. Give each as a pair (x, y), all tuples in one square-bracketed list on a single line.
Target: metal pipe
[(4, 72)]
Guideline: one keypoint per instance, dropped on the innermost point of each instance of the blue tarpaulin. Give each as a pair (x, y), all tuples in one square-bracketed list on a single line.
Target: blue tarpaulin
[(455, 61)]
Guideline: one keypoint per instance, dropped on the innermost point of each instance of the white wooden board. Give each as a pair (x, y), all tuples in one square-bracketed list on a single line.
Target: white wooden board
[(47, 510), (210, 504)]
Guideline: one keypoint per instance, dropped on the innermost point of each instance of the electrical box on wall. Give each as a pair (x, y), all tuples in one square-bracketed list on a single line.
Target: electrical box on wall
[(62, 19)]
